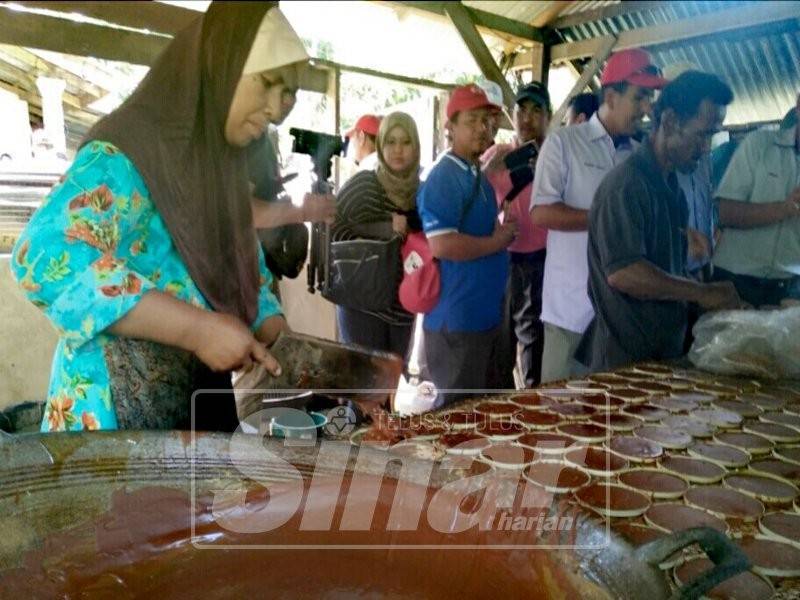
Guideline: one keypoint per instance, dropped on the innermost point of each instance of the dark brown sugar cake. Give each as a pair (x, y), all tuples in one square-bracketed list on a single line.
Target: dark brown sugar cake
[(657, 449)]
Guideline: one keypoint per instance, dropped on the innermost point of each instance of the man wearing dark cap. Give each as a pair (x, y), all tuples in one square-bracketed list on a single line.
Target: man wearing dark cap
[(459, 215), (572, 163), (638, 242), (362, 138), (509, 168)]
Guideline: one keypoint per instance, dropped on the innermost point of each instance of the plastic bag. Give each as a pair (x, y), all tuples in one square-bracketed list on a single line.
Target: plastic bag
[(749, 342)]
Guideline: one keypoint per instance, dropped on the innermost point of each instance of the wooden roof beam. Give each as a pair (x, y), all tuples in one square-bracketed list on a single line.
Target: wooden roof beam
[(71, 114), (83, 39), (27, 79), (93, 72), (484, 21), (23, 59), (550, 13), (86, 39), (427, 83), (152, 16), (462, 21)]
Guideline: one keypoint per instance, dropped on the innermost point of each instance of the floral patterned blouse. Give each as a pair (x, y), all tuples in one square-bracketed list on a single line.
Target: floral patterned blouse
[(89, 253)]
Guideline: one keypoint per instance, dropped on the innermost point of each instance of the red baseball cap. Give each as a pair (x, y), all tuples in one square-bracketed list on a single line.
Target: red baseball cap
[(634, 66), (368, 124), (468, 97)]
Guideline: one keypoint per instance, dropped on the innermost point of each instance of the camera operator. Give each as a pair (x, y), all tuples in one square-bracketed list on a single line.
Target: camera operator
[(509, 168), (268, 184), (279, 223)]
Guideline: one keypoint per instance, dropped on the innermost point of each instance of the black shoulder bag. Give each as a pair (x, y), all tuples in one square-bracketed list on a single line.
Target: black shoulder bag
[(286, 246), (364, 273)]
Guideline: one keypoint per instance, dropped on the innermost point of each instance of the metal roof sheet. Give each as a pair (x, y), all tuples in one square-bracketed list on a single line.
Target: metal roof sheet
[(762, 68)]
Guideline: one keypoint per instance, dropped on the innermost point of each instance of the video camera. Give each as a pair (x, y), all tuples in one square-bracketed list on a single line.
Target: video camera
[(321, 147), (520, 164)]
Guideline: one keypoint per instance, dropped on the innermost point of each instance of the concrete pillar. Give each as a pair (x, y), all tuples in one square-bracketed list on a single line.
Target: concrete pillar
[(52, 90), (16, 127)]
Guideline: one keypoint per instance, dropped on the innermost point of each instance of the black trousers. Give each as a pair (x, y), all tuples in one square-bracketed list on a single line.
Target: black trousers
[(761, 292), (463, 360), (523, 331), (367, 330)]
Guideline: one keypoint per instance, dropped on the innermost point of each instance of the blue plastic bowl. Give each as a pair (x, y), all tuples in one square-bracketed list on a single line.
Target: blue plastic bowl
[(297, 425)]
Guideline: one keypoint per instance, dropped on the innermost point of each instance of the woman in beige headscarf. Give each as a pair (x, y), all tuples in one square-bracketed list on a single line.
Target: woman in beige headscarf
[(144, 255), (382, 202)]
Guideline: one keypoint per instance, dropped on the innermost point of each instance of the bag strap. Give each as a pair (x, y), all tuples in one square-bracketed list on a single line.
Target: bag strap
[(476, 188)]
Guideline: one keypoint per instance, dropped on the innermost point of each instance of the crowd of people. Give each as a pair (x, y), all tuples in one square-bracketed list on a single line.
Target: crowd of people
[(617, 241), (562, 252)]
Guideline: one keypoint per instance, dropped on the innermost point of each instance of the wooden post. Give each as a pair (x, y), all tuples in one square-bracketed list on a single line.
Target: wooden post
[(466, 28), (546, 59), (335, 91), (540, 63), (439, 119)]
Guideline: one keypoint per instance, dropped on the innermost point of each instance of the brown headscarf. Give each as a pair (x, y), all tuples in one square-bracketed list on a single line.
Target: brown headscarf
[(401, 188), (172, 129)]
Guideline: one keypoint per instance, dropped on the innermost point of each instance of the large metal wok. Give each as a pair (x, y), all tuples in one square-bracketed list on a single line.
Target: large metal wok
[(109, 514)]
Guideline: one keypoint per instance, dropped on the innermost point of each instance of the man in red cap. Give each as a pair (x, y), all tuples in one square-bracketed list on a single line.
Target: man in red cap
[(637, 235), (362, 138), (459, 215), (572, 163)]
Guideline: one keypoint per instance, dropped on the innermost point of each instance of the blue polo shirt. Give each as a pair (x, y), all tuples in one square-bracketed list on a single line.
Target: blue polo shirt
[(472, 291)]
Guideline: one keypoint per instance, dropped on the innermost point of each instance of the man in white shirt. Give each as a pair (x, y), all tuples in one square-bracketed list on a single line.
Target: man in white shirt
[(759, 210), (572, 163), (362, 142)]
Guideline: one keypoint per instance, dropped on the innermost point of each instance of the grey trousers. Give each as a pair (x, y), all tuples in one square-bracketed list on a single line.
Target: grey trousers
[(558, 358)]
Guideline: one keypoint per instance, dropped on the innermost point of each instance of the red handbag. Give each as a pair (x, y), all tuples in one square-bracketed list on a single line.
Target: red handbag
[(421, 284)]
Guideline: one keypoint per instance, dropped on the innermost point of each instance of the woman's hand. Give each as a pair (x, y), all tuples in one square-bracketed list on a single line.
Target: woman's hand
[(224, 343), (400, 224)]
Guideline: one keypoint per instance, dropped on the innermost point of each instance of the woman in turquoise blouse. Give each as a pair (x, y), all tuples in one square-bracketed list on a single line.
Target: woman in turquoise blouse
[(144, 255)]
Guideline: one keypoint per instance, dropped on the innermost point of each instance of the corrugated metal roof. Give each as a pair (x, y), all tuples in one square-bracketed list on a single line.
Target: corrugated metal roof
[(528, 10), (762, 68), (661, 14)]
